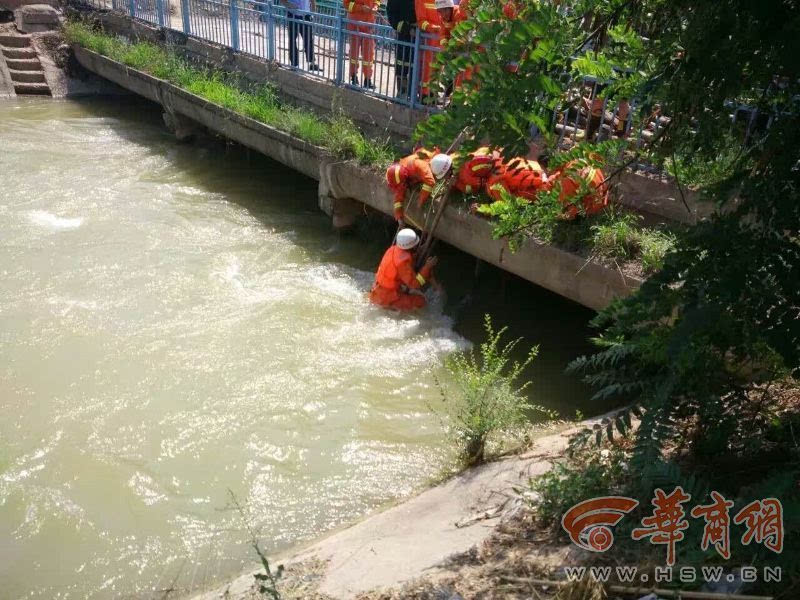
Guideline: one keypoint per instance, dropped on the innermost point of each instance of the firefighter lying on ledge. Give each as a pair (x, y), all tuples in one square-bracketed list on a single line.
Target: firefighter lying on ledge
[(413, 170)]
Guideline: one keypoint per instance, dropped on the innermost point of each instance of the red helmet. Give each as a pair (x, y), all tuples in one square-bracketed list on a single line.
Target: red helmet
[(396, 175)]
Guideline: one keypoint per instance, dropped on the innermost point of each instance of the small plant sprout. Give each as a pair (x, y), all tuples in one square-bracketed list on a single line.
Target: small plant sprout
[(267, 582)]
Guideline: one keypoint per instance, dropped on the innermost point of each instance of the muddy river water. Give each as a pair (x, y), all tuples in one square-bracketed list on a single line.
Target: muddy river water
[(179, 323)]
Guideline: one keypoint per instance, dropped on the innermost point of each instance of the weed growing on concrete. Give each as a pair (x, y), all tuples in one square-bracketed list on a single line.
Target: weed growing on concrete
[(482, 397), (338, 134), (618, 235), (266, 582), (653, 246), (613, 234)]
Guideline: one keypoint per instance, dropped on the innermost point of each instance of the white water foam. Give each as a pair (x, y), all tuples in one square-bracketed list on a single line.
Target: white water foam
[(54, 222)]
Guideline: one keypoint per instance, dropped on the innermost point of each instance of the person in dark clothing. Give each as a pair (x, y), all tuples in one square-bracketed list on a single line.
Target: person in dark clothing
[(299, 23), (403, 18)]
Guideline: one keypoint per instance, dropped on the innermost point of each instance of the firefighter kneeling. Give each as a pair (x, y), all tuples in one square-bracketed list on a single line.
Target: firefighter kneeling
[(519, 177), (396, 285), (477, 170), (571, 176), (413, 170)]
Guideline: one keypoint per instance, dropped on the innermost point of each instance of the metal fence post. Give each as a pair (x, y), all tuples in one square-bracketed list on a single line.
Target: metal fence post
[(160, 12), (234, 14), (270, 31), (414, 69), (340, 49), (132, 8), (187, 25)]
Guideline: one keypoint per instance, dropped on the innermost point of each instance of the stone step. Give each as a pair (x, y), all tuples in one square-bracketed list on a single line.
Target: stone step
[(33, 18), (15, 41), (15, 4), (36, 13), (17, 52), (39, 89), (27, 76), (24, 64)]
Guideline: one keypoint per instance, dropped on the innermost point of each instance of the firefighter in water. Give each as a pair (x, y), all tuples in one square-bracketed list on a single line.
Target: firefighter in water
[(413, 170), (576, 176), (477, 170), (362, 11), (397, 285), (520, 177)]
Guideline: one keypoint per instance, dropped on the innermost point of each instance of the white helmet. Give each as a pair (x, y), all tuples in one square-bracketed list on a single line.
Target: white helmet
[(407, 238), (441, 163), (443, 4)]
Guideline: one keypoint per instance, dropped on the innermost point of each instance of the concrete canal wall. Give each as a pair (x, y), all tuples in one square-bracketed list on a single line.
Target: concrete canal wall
[(343, 184)]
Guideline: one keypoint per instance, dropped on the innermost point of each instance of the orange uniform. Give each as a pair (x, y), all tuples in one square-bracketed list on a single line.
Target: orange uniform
[(510, 10), (520, 177), (594, 201), (461, 14), (363, 11), (409, 171), (430, 23), (474, 173), (394, 279)]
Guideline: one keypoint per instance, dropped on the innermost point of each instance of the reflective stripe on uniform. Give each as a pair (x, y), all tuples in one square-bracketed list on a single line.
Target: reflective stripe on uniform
[(424, 25), (468, 189), (351, 6), (398, 205), (426, 187), (397, 173), (400, 25), (421, 279), (590, 176), (366, 62), (481, 167), (430, 6)]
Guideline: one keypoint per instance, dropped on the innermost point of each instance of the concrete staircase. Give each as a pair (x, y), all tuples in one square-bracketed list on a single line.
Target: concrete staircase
[(27, 74)]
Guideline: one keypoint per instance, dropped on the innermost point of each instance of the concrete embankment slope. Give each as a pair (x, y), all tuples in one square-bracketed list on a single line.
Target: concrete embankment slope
[(584, 281), (415, 538)]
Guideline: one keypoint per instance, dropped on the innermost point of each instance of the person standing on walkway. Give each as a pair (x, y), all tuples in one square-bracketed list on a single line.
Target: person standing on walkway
[(403, 19), (298, 19), (362, 11), (430, 24)]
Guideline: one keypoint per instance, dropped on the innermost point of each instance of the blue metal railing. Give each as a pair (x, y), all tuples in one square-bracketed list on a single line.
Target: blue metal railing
[(324, 44)]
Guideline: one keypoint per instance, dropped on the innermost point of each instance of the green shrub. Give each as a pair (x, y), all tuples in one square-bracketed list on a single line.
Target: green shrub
[(482, 397)]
